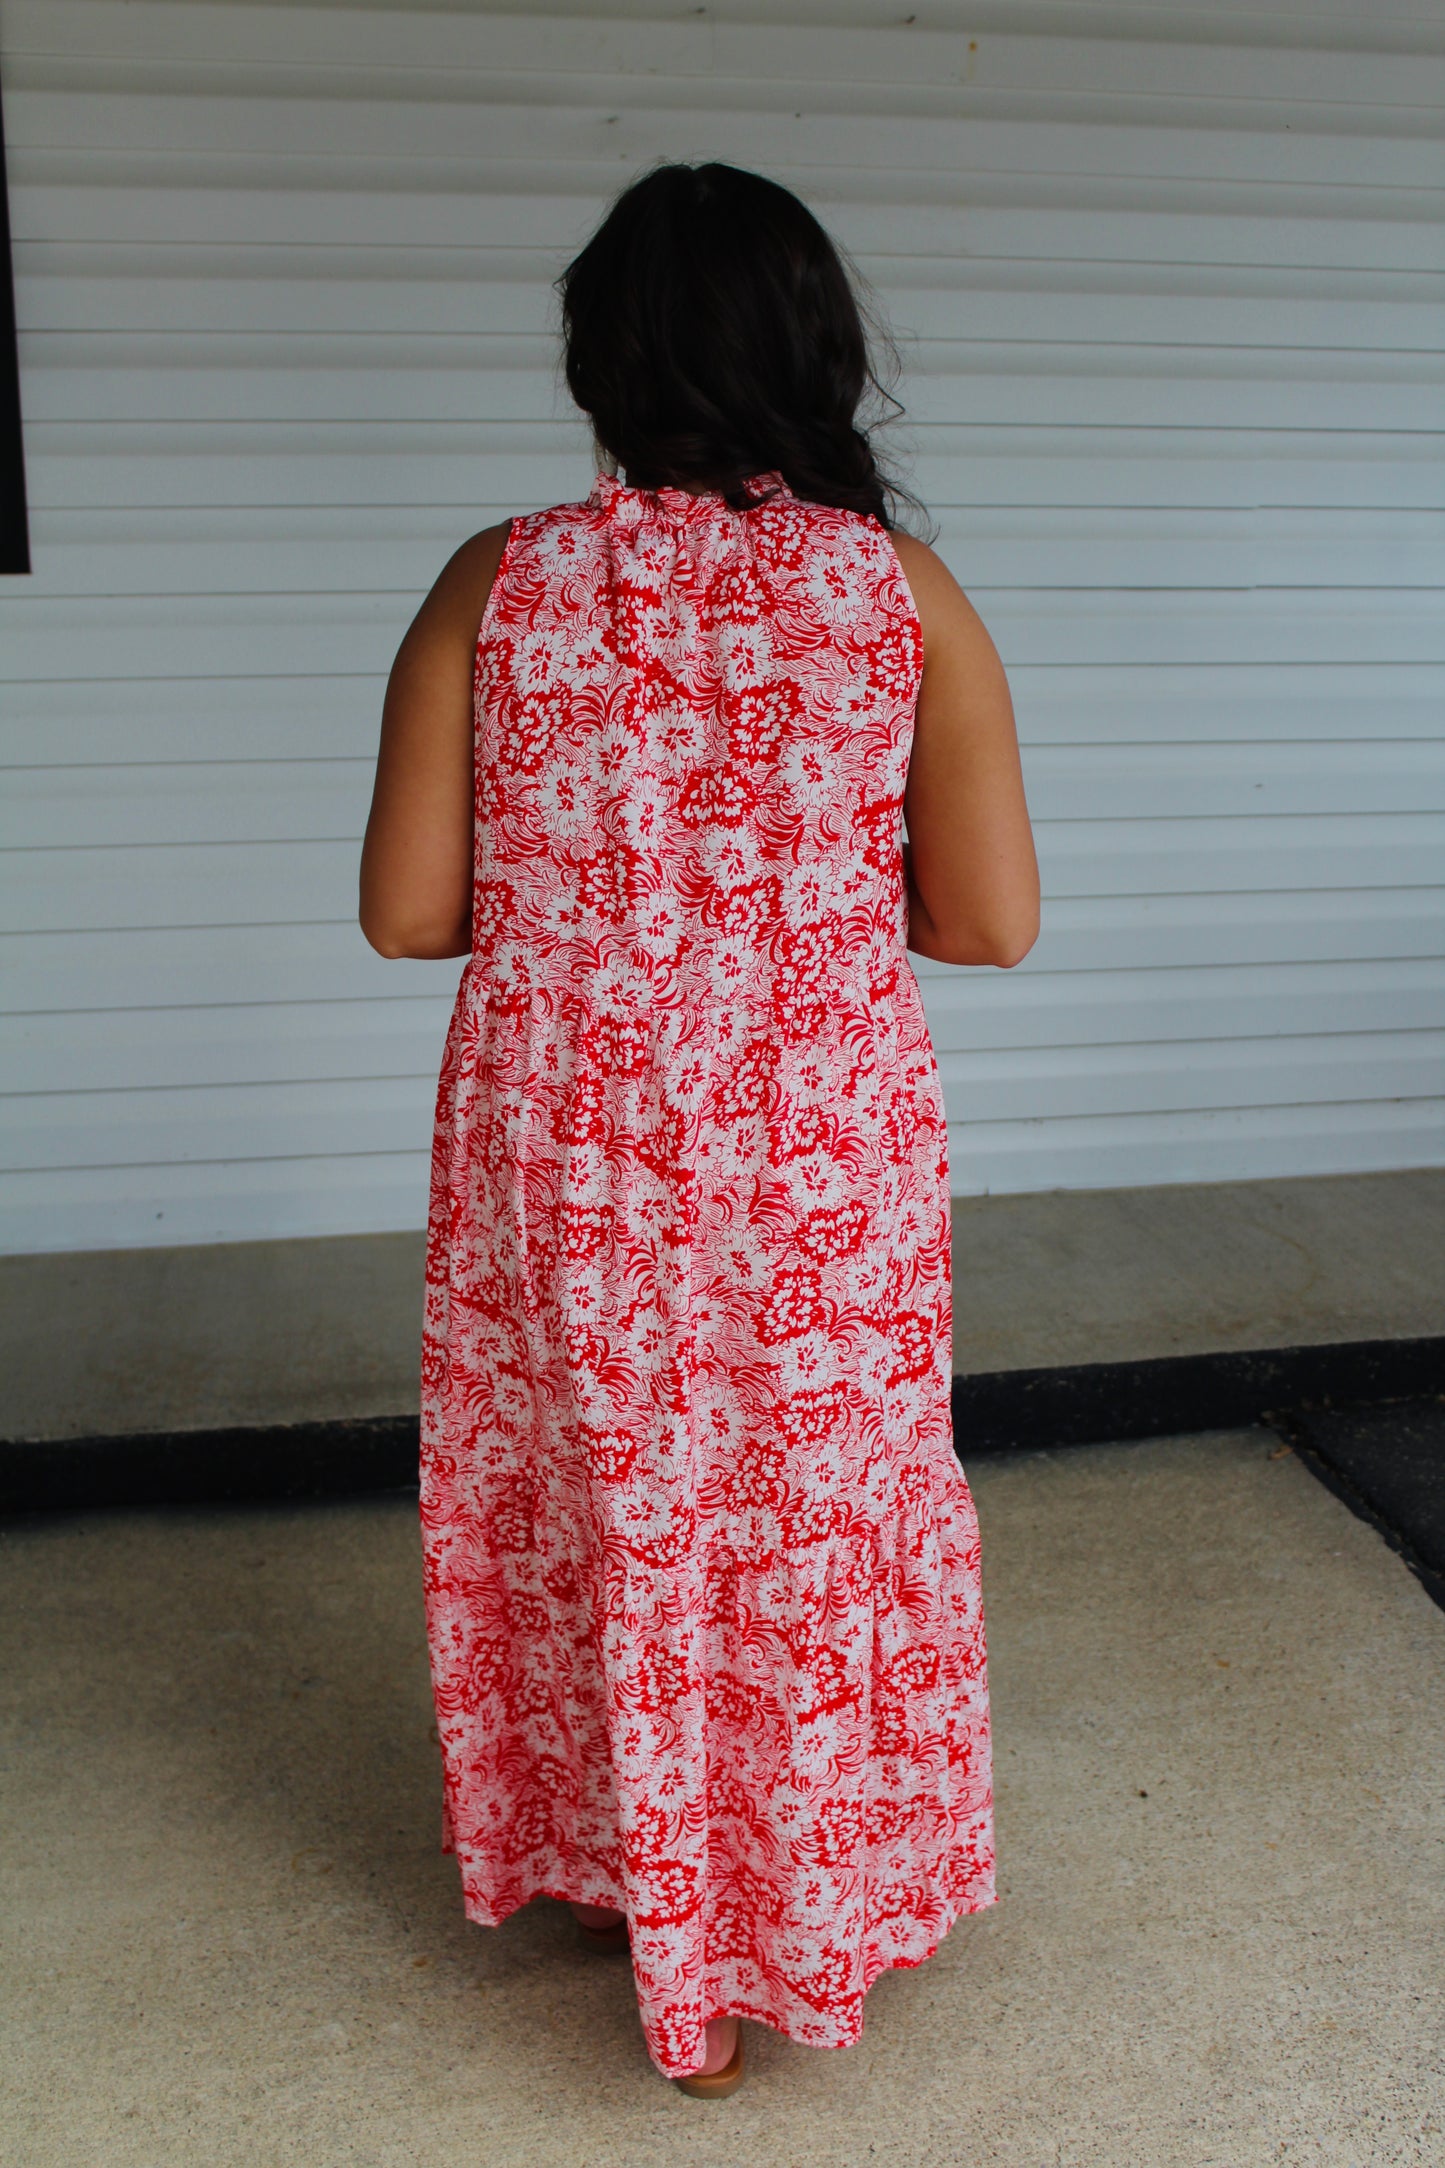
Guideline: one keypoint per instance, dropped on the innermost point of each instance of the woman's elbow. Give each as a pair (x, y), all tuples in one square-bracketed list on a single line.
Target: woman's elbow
[(998, 955), (380, 928), (1015, 925), (385, 942), (1012, 945), (414, 940), (1001, 941)]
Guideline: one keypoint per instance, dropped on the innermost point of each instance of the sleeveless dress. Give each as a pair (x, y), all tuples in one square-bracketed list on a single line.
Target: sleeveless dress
[(701, 1567)]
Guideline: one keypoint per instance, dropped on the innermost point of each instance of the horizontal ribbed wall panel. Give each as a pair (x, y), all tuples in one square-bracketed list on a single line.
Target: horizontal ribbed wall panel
[(1167, 287)]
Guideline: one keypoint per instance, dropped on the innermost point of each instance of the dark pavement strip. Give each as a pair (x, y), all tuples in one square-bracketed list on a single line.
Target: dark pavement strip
[(1386, 1461)]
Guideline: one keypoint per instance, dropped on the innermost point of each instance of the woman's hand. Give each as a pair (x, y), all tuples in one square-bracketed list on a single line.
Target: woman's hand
[(416, 862), (973, 878)]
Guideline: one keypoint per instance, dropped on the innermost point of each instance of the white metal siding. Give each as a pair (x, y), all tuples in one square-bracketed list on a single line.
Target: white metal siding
[(1167, 281)]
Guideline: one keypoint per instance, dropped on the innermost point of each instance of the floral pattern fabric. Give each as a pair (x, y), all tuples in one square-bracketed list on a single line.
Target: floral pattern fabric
[(701, 1567)]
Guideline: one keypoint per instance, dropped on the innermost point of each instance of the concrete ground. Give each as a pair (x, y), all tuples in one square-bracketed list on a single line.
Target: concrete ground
[(1121, 1275), (1220, 1709)]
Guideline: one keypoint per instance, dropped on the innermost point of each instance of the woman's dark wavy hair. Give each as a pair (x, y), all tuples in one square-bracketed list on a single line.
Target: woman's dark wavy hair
[(712, 333)]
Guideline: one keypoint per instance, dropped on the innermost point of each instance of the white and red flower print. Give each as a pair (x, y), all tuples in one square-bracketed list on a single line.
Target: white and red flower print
[(702, 1571)]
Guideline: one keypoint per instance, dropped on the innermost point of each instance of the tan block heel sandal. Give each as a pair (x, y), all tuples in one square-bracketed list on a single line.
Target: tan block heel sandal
[(718, 2083)]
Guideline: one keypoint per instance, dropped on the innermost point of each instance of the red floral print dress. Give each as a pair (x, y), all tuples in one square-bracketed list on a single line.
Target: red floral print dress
[(702, 1570)]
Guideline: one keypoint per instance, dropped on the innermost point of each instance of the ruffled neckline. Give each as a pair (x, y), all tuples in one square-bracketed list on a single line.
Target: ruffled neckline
[(610, 493)]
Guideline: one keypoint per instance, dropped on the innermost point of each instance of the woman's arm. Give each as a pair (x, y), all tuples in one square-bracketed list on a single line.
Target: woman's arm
[(973, 879), (416, 862)]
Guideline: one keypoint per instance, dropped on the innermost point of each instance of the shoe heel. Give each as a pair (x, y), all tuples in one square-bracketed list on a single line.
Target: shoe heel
[(718, 2083)]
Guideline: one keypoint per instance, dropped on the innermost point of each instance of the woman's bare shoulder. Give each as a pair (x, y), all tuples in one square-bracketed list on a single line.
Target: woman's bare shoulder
[(912, 553), (453, 609), (471, 570), (944, 610)]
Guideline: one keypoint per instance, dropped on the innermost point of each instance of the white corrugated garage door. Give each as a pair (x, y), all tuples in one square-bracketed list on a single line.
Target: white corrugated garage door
[(1168, 285)]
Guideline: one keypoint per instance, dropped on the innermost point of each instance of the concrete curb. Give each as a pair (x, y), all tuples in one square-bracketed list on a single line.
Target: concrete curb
[(1004, 1411), (1173, 1395)]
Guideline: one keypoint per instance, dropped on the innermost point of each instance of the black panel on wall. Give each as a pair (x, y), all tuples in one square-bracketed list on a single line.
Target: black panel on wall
[(14, 527)]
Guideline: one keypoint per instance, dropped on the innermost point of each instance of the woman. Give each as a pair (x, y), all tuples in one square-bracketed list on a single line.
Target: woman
[(702, 1570)]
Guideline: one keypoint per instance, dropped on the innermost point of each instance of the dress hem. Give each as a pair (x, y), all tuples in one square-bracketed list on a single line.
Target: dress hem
[(755, 2013)]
